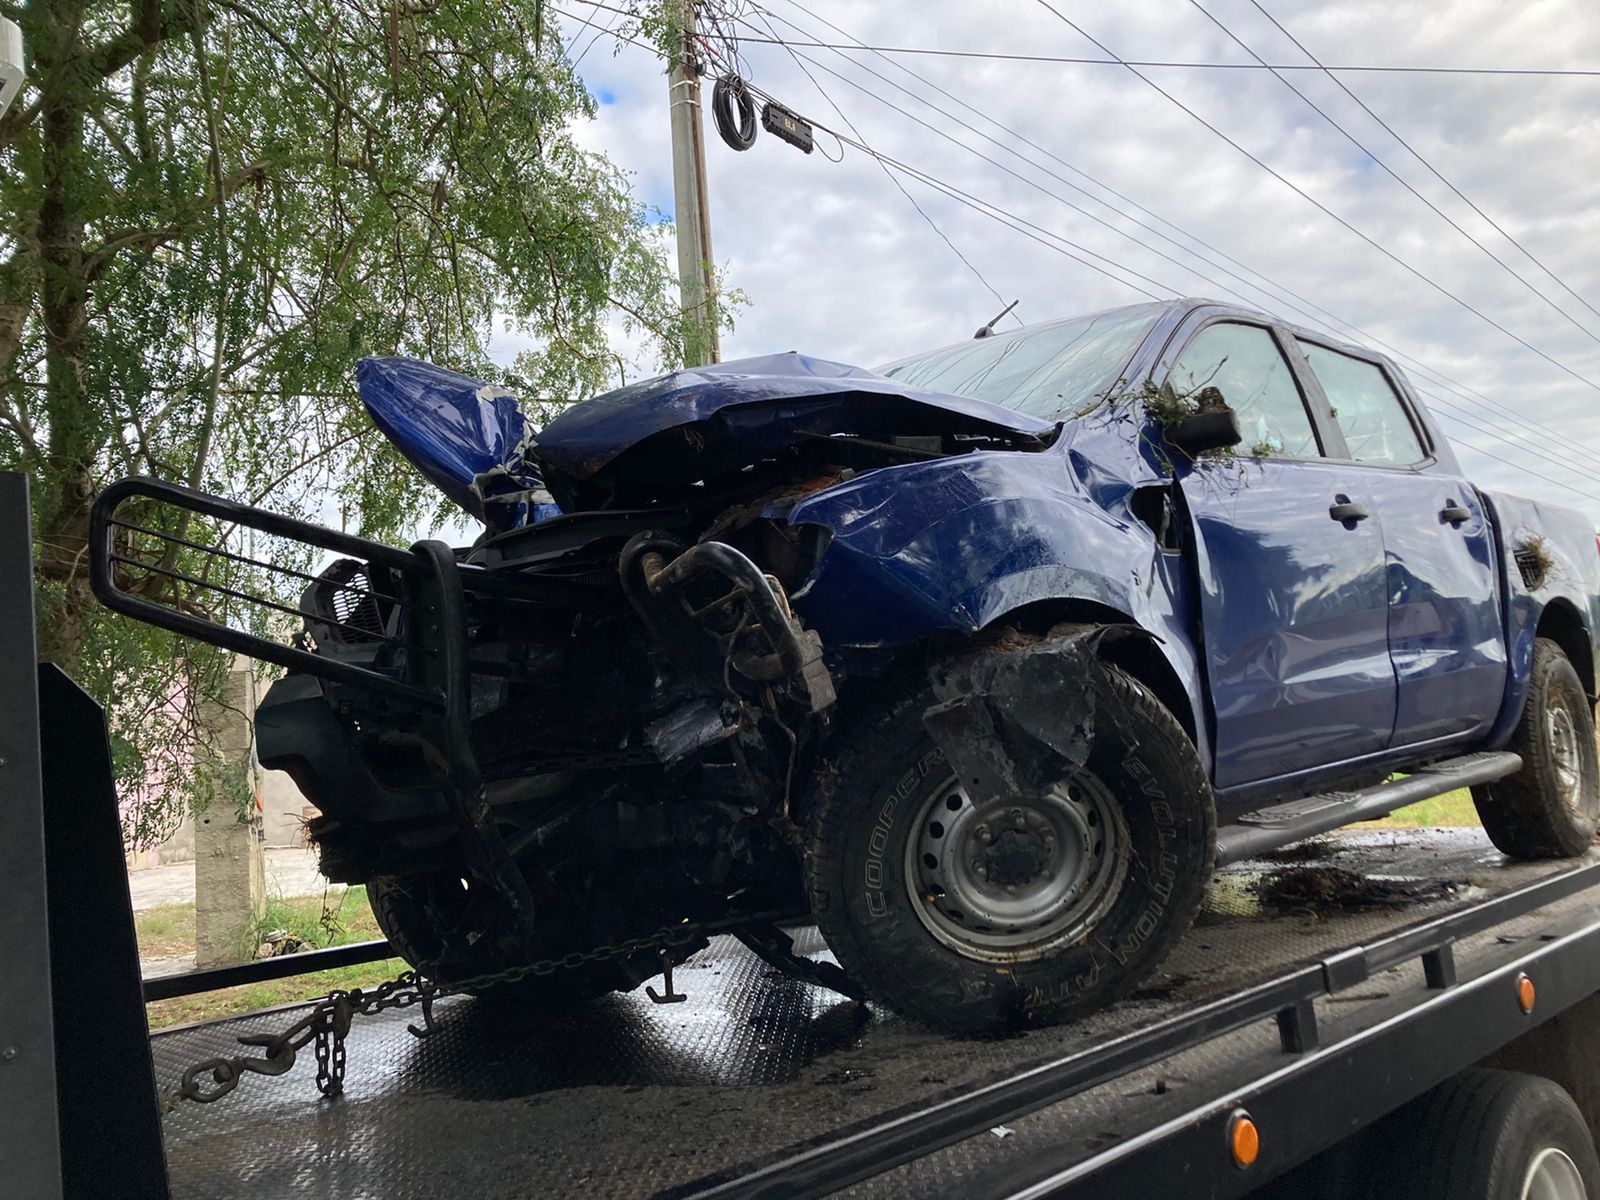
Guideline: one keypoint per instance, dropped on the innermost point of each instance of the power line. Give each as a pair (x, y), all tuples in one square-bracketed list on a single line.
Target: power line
[(1296, 301), (599, 33), (1445, 407), (1390, 171), (1034, 232), (890, 175), (1323, 208), (1004, 216), (992, 162), (1493, 224), (1508, 462), (929, 51), (1561, 460), (594, 25), (984, 207)]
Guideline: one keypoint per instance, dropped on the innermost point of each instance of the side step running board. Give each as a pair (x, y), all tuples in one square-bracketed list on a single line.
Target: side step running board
[(1270, 828)]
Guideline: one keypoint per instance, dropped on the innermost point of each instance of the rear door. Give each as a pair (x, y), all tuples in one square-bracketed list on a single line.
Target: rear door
[(1291, 568), (1445, 635)]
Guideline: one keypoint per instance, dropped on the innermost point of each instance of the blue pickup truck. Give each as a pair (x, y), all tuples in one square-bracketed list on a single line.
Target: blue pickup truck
[(983, 659)]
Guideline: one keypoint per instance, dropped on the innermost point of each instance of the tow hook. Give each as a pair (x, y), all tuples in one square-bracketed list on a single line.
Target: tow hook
[(668, 994)]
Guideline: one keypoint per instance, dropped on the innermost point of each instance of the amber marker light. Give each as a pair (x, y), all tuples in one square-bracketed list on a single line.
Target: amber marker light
[(1525, 993), (1244, 1139)]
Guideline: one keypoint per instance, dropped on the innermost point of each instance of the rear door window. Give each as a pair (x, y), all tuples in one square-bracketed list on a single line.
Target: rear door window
[(1366, 408), (1245, 364)]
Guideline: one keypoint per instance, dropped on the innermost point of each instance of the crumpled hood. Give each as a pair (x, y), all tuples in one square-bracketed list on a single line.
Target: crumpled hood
[(658, 438), (466, 436)]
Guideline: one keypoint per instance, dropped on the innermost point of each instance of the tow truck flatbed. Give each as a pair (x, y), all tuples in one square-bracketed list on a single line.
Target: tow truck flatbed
[(1317, 1019)]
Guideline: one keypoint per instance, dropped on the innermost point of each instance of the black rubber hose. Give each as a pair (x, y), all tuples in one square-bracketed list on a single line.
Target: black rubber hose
[(730, 91)]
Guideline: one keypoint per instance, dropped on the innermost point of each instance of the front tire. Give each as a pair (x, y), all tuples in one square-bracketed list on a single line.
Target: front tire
[(1027, 910), (1550, 808)]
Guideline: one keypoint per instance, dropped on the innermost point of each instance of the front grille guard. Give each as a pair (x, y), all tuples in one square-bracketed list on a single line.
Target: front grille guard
[(122, 577), (410, 606)]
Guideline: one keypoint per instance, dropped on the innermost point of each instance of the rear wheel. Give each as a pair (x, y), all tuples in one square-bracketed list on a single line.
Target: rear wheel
[(1491, 1135), (979, 916), (1550, 808)]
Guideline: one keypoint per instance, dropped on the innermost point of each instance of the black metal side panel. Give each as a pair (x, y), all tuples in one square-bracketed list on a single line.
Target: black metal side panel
[(110, 1128), (32, 1163)]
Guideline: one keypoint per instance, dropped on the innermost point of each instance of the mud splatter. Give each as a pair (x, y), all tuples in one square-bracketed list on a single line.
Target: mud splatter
[(1333, 889)]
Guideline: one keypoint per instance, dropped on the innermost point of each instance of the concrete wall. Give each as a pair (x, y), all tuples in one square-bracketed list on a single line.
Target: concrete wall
[(284, 812)]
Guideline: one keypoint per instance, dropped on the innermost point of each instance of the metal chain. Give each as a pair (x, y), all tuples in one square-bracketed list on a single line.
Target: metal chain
[(328, 1021)]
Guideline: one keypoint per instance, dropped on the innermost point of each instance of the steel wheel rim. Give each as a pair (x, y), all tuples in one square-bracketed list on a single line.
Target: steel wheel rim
[(1566, 751), (1012, 879), (1552, 1175)]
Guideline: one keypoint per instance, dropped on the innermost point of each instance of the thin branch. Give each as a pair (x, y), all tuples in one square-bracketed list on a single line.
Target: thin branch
[(294, 56)]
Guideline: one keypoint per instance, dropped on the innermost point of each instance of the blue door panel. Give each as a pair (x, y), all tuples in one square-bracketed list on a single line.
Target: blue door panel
[(1295, 609), (1445, 634)]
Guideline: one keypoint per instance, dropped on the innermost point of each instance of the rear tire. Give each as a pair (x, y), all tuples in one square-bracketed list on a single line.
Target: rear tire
[(894, 852), (1550, 808), (1490, 1135)]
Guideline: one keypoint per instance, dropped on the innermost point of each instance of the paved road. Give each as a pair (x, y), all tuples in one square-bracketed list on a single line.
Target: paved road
[(290, 872)]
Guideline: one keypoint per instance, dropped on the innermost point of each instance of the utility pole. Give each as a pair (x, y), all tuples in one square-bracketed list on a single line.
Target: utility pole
[(693, 211)]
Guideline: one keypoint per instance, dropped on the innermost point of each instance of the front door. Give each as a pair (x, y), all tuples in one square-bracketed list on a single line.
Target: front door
[(1290, 557)]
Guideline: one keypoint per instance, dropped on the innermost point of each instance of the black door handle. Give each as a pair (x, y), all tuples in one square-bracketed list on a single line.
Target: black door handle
[(1348, 512), (1454, 514)]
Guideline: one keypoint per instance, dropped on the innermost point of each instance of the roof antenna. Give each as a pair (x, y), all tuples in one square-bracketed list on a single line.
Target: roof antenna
[(988, 330)]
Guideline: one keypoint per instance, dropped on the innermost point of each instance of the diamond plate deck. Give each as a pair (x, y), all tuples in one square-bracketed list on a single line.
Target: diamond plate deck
[(625, 1099)]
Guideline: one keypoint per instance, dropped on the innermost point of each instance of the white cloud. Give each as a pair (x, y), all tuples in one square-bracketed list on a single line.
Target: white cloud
[(837, 263)]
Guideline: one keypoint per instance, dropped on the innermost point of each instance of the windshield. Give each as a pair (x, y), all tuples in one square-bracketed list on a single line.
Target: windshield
[(1044, 372)]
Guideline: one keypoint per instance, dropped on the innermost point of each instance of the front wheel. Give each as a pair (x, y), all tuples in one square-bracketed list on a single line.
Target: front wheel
[(979, 915)]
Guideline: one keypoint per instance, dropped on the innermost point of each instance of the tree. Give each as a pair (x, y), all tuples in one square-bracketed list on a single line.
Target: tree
[(209, 209)]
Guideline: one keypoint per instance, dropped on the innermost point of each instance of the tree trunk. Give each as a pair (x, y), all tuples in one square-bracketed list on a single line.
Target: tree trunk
[(63, 505)]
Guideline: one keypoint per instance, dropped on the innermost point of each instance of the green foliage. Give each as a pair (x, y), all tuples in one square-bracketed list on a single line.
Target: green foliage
[(208, 213), (336, 918)]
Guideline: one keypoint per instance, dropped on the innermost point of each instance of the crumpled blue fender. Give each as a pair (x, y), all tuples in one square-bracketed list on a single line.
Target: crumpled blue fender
[(469, 438), (956, 544), (1571, 581)]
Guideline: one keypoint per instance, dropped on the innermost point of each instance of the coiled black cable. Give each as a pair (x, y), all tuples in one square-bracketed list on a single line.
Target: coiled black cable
[(740, 132)]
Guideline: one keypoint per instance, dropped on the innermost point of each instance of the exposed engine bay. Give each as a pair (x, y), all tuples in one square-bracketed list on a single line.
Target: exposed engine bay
[(646, 707)]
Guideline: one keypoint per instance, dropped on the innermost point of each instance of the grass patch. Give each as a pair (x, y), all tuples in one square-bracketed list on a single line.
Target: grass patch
[(166, 931), (336, 918), (183, 1010), (1452, 810)]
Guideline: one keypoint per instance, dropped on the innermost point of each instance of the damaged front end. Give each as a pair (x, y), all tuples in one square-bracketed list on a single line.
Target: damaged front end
[(598, 719)]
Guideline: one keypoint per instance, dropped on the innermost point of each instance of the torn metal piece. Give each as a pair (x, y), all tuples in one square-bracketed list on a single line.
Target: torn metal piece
[(796, 651), (683, 731), (1009, 718)]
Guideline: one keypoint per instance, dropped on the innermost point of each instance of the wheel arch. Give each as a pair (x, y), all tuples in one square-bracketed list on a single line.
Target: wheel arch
[(1143, 658), (1561, 623)]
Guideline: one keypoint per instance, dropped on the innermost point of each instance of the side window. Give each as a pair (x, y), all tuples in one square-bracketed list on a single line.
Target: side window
[(1245, 364), (1365, 407)]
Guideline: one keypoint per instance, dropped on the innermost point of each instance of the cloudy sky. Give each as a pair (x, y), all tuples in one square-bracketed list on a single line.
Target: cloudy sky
[(835, 261)]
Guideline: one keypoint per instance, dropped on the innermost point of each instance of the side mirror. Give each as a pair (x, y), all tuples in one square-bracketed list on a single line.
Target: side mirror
[(1214, 426)]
